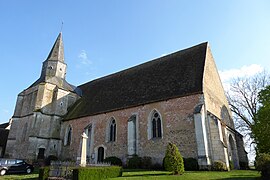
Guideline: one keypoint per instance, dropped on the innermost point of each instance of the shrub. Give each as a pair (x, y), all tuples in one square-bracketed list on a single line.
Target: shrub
[(96, 173), (49, 159), (134, 162), (231, 165), (263, 165), (243, 165), (44, 173), (219, 166), (157, 166), (191, 164), (113, 161), (146, 162), (173, 160)]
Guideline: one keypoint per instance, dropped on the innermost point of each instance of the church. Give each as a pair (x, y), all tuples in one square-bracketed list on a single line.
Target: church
[(176, 98)]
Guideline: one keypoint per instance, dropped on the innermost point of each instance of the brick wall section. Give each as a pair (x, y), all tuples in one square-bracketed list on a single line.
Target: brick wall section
[(178, 127)]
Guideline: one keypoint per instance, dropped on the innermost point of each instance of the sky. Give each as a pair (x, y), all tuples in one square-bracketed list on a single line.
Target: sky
[(103, 37)]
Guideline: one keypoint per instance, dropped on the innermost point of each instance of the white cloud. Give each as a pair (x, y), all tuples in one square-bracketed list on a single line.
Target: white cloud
[(245, 71), (83, 58)]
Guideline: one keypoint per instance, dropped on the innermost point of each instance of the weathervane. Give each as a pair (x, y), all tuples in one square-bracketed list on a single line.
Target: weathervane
[(62, 26)]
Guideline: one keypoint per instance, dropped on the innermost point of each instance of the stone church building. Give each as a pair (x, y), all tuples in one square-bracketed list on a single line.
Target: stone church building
[(176, 98)]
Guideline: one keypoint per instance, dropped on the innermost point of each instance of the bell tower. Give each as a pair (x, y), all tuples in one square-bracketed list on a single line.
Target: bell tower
[(35, 131), (54, 66)]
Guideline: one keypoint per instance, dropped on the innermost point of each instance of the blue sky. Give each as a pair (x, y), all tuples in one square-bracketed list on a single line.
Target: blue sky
[(103, 37)]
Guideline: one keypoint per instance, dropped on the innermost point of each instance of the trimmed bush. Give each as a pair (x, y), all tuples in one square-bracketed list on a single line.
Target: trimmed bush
[(134, 162), (263, 165), (146, 162), (173, 160), (219, 166), (113, 161), (44, 173), (191, 164), (97, 173)]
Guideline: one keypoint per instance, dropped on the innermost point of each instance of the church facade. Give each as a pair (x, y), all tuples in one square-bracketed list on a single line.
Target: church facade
[(177, 98)]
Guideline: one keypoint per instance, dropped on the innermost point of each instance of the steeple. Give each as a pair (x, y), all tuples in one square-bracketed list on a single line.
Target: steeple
[(57, 51), (54, 66)]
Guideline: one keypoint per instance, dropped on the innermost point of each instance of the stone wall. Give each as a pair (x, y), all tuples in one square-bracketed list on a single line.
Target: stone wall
[(242, 154), (37, 121), (26, 102), (177, 123), (215, 99)]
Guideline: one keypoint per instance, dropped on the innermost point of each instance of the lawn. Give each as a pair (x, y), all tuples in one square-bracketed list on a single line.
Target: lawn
[(192, 175), (20, 176), (189, 175)]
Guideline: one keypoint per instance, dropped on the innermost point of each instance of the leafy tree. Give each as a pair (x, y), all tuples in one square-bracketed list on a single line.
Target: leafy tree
[(263, 165), (173, 160), (261, 127)]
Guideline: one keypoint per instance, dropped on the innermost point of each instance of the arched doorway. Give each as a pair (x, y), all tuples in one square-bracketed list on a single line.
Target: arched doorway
[(41, 153), (233, 153), (100, 155)]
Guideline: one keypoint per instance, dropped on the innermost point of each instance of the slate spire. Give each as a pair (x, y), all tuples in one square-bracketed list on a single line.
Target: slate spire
[(57, 51)]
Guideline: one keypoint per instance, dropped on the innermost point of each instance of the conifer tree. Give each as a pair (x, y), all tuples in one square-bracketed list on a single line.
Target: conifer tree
[(173, 160)]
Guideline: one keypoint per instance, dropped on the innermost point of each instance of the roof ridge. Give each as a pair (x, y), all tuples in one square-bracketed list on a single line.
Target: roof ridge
[(148, 62)]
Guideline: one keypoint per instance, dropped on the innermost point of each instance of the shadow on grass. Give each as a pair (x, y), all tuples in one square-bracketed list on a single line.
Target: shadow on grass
[(144, 173), (241, 178)]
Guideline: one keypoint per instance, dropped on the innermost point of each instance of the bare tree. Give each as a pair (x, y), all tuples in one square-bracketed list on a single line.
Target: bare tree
[(244, 102)]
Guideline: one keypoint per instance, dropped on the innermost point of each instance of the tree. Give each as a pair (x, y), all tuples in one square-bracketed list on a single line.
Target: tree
[(173, 160), (261, 126), (243, 100)]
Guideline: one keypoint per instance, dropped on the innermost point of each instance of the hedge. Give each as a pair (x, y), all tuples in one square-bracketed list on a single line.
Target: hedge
[(96, 173), (44, 173)]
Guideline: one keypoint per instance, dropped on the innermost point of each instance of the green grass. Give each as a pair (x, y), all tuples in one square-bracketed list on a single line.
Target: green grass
[(32, 176), (20, 176), (192, 175), (188, 175)]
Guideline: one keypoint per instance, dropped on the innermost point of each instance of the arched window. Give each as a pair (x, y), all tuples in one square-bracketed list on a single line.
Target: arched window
[(68, 136), (156, 125), (112, 135)]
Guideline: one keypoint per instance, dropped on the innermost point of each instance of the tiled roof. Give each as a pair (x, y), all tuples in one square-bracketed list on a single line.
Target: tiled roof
[(175, 75)]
